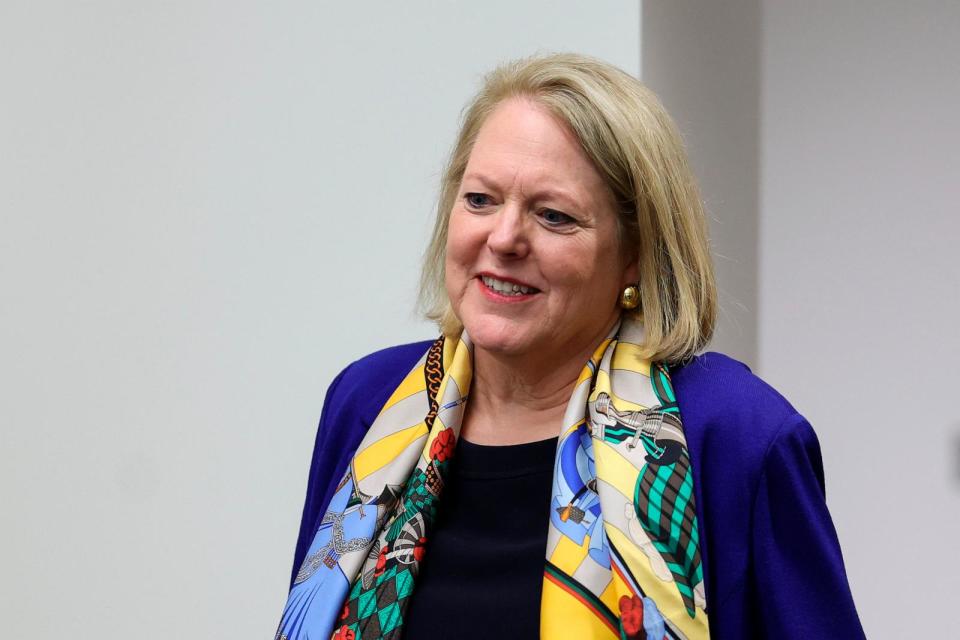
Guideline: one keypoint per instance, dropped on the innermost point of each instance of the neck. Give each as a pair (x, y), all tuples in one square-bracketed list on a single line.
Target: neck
[(517, 399)]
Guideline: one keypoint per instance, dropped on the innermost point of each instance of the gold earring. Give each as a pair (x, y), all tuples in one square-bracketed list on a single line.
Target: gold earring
[(630, 298)]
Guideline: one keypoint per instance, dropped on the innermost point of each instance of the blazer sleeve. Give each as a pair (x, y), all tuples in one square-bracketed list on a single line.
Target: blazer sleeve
[(323, 469), (801, 583)]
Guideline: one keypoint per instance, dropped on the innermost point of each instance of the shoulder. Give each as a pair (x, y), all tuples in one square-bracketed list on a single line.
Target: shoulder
[(718, 381), (384, 363), (366, 383), (761, 497), (724, 404)]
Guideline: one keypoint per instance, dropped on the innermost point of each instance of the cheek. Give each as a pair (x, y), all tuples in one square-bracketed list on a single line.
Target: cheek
[(457, 254), (575, 265), (462, 242), (586, 276), (454, 240)]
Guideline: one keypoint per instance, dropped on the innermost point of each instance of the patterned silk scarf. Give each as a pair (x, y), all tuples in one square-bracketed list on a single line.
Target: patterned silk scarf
[(622, 557)]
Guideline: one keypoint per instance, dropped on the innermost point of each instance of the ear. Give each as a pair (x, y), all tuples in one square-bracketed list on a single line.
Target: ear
[(631, 271)]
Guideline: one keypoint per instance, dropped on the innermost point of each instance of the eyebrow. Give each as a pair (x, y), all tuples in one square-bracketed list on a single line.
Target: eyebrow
[(541, 194)]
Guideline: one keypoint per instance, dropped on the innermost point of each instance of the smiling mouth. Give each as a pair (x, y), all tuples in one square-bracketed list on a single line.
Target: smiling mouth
[(507, 288)]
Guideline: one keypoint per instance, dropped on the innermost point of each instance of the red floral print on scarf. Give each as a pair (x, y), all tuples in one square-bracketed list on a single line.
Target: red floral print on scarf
[(442, 447), (344, 633), (631, 617), (419, 549), (381, 562)]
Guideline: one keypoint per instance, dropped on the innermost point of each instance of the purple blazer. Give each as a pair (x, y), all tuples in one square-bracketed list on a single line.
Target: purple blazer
[(771, 559)]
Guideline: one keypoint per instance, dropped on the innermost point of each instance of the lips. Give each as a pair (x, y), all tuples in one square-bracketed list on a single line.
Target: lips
[(507, 286)]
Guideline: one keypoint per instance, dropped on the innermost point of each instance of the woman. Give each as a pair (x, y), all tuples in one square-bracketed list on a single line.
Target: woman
[(560, 462)]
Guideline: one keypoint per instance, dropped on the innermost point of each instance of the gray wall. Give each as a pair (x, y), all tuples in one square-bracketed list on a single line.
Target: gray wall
[(703, 60), (860, 282), (206, 211), (827, 142)]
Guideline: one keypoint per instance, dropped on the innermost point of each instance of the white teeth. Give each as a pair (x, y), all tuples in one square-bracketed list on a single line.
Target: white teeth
[(506, 288)]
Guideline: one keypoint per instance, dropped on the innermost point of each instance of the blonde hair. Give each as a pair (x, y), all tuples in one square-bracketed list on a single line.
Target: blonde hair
[(634, 145)]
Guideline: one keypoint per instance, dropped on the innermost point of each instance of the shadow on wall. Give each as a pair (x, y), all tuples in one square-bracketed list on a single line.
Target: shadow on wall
[(703, 60), (955, 452)]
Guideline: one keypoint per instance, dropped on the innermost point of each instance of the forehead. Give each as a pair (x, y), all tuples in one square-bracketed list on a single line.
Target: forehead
[(522, 144)]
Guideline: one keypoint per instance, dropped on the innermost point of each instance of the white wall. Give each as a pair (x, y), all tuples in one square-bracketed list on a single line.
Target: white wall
[(860, 283), (206, 210)]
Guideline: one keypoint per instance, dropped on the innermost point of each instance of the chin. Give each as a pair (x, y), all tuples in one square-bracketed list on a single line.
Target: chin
[(498, 338)]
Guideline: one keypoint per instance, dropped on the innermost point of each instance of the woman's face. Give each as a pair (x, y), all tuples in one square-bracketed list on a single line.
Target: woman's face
[(533, 217)]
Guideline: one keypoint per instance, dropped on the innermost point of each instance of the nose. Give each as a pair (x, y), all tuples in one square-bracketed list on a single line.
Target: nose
[(508, 235)]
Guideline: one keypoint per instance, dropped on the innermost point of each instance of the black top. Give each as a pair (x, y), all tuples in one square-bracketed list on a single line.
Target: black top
[(482, 574)]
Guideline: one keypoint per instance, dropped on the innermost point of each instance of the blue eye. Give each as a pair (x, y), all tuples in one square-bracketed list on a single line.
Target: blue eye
[(556, 218), (475, 200)]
